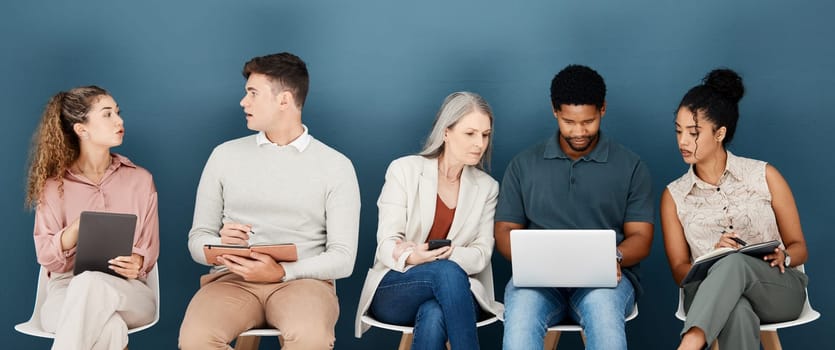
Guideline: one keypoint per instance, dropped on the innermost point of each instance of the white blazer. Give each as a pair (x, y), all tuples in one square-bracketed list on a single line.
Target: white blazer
[(407, 211)]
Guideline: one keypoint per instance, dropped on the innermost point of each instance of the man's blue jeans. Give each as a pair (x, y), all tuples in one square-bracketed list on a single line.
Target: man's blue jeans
[(600, 311), (434, 297)]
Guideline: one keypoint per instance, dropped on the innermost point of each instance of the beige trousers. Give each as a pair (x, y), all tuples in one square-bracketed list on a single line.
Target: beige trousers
[(94, 310), (304, 310)]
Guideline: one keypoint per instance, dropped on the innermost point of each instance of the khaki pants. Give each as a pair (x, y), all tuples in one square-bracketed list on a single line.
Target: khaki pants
[(305, 311), (94, 310), (738, 293)]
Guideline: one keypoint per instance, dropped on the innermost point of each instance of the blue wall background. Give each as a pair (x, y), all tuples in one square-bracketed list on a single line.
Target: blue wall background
[(379, 71)]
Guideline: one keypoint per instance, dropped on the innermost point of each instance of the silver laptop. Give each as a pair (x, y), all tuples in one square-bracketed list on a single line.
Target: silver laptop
[(564, 258)]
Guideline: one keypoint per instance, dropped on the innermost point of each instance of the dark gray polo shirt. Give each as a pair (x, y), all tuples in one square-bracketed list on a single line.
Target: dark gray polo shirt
[(543, 188)]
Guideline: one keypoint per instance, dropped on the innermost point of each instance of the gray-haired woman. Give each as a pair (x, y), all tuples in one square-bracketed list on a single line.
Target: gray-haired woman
[(440, 194)]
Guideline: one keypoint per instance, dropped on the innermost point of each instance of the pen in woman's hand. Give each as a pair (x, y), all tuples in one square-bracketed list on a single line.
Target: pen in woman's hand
[(740, 241)]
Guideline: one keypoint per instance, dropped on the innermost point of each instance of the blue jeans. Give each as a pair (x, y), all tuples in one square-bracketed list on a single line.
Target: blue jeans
[(434, 297), (600, 311)]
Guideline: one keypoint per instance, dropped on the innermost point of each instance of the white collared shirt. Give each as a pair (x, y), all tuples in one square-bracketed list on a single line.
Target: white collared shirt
[(300, 143)]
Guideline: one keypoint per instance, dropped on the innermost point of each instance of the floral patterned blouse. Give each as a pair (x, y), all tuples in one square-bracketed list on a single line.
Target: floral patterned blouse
[(741, 203)]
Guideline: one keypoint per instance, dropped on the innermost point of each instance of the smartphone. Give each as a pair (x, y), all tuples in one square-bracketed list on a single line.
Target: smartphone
[(439, 243)]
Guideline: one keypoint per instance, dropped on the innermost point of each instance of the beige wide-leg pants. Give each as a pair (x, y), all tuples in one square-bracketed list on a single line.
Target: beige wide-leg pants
[(305, 310), (94, 310)]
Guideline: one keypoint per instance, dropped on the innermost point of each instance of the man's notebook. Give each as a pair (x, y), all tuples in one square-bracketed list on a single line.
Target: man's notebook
[(279, 252)]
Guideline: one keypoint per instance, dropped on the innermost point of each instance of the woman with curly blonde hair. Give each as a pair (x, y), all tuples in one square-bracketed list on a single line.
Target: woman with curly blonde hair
[(72, 170)]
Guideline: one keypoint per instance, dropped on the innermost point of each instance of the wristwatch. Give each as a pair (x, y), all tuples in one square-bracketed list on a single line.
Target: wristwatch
[(788, 260), (619, 255)]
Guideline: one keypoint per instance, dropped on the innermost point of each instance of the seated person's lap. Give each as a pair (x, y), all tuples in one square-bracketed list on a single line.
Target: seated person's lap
[(557, 305), (228, 306)]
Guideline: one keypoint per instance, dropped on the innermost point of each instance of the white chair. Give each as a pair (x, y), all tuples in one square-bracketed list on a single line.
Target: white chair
[(33, 326), (408, 332), (768, 332), (552, 337), (250, 339)]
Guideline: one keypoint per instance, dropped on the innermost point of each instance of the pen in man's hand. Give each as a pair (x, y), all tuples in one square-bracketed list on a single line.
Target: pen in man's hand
[(737, 240)]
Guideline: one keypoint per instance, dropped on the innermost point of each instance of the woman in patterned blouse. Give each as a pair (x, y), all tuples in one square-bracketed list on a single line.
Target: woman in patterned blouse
[(728, 201)]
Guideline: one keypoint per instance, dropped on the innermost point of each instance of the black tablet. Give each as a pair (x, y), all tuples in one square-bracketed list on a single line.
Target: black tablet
[(101, 237)]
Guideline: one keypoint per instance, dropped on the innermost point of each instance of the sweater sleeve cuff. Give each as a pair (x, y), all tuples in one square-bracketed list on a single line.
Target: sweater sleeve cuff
[(289, 275)]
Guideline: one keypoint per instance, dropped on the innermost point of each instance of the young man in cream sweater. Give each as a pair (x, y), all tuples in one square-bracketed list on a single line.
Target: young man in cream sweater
[(278, 186)]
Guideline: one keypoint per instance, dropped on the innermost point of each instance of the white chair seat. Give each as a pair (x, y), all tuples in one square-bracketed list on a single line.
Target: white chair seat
[(261, 332), (806, 315), (33, 326), (409, 330), (577, 328), (251, 339)]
